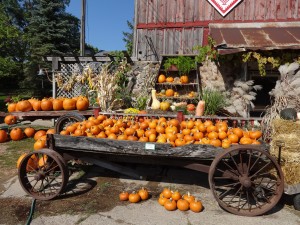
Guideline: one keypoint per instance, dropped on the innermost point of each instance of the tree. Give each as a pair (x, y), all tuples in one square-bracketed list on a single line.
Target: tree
[(50, 32), (128, 37), (11, 50)]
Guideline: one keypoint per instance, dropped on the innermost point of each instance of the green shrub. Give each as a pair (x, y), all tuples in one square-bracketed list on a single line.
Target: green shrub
[(214, 101)]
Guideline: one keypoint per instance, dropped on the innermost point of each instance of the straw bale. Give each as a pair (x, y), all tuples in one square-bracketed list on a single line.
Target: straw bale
[(288, 133), (291, 173)]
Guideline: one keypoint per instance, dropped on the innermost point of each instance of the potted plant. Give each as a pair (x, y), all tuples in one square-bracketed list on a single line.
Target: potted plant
[(184, 64)]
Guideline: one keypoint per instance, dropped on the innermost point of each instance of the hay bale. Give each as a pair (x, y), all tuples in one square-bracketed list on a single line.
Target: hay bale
[(287, 133)]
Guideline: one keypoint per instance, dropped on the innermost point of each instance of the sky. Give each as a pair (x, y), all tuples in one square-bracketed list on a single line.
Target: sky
[(105, 21)]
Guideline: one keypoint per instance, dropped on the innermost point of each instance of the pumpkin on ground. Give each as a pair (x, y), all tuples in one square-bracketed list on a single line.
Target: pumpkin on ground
[(39, 134), (183, 205), (16, 134), (29, 132), (170, 204), (143, 193), (3, 136), (134, 197), (196, 206), (124, 196)]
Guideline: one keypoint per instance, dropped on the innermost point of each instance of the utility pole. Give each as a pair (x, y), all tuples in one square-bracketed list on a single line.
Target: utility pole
[(82, 30)]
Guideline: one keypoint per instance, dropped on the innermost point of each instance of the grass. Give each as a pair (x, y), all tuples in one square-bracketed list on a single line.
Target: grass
[(14, 149)]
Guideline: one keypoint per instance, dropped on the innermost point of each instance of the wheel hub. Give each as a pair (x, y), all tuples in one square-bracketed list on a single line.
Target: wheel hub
[(245, 181), (39, 176)]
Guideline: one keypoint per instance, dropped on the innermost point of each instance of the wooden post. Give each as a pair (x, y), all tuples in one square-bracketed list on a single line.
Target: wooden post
[(82, 28)]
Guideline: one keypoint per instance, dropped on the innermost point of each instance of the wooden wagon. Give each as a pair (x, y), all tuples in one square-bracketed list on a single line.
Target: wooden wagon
[(244, 179)]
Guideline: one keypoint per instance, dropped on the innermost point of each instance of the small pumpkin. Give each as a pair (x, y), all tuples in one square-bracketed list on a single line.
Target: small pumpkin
[(123, 196), (161, 78), (134, 197), (170, 79), (16, 134), (167, 193), (10, 119), (170, 204), (144, 194), (184, 79), (46, 104), (39, 134), (29, 132), (11, 107), (169, 92), (3, 136), (82, 103), (189, 197), (69, 104), (58, 104), (196, 206), (176, 195), (162, 200), (183, 205)]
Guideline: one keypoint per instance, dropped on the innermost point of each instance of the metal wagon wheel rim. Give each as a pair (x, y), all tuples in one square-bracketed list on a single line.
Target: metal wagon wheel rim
[(43, 174), (67, 119), (246, 180)]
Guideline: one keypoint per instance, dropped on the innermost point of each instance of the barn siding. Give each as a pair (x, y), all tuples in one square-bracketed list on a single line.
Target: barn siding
[(174, 26)]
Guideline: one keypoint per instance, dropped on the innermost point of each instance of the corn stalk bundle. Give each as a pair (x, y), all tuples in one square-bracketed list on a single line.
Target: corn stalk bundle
[(284, 95)]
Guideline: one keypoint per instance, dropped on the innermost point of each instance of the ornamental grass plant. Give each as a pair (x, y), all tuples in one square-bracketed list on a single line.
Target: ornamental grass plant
[(214, 101)]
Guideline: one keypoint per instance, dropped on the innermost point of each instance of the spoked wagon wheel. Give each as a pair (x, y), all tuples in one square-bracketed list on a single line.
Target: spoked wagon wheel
[(43, 174), (67, 119), (246, 180)]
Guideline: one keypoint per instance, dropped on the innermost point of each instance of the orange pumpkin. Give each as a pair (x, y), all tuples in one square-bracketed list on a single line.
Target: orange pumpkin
[(69, 104), (29, 132), (169, 92), (134, 197), (39, 134), (46, 105), (170, 79), (3, 136), (36, 104), (143, 193), (16, 134), (161, 78), (82, 103), (183, 205), (10, 119), (23, 106), (184, 79), (170, 204), (124, 196), (196, 206), (11, 107), (58, 104), (255, 134)]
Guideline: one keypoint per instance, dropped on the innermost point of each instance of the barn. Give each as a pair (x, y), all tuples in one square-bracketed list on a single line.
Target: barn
[(174, 27)]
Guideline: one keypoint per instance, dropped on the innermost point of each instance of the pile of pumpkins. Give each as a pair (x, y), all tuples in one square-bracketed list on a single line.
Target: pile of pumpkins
[(48, 104), (17, 134), (162, 130), (134, 197), (172, 200)]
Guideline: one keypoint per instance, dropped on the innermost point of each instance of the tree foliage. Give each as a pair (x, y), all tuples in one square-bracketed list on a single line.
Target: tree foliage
[(128, 37)]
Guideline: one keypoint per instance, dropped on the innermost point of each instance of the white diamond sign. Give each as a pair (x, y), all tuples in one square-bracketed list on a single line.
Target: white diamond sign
[(224, 6)]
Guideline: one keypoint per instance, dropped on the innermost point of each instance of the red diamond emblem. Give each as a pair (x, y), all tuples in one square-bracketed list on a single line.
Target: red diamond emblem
[(224, 6)]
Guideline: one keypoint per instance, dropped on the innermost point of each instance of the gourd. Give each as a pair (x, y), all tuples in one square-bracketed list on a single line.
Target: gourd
[(155, 103), (200, 108), (165, 106)]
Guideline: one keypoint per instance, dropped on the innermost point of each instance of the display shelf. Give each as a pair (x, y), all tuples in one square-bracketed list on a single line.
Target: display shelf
[(176, 84)]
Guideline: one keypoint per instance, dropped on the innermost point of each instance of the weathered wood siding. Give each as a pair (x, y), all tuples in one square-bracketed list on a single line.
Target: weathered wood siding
[(175, 26)]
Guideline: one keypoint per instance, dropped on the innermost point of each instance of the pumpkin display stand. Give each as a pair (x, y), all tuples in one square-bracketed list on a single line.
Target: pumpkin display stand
[(244, 179)]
